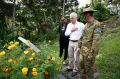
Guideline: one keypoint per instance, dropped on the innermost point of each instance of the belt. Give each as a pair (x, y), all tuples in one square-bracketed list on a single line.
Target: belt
[(74, 40)]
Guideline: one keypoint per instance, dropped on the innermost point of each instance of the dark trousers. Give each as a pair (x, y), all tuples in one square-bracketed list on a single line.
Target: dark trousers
[(64, 48)]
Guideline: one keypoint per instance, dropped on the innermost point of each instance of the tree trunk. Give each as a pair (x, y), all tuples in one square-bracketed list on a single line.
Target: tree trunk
[(63, 8)]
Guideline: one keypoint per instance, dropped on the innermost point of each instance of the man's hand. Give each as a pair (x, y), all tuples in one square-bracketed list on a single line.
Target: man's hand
[(76, 48), (74, 29)]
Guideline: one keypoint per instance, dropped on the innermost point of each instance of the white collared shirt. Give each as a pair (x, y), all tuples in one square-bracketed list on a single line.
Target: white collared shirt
[(76, 34)]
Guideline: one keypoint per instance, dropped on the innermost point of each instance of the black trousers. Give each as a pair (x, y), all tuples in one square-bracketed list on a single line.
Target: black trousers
[(64, 48)]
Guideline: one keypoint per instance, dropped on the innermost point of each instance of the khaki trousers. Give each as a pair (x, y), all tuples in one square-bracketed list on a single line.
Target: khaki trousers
[(73, 56)]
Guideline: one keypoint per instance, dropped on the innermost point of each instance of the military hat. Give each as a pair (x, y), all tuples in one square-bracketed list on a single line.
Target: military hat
[(89, 9)]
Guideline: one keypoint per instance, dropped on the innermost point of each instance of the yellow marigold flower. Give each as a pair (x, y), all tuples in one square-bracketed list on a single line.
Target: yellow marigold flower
[(10, 47), (2, 53), (34, 73), (48, 57), (33, 54), (16, 43), (13, 45), (24, 73), (30, 59), (24, 70), (11, 42), (30, 49), (10, 60), (26, 52), (34, 69), (53, 58), (46, 61)]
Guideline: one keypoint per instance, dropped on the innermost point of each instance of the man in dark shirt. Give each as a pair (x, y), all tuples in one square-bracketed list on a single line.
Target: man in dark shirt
[(64, 40)]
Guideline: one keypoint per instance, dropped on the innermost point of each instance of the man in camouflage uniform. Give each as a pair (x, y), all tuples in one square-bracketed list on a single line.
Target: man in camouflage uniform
[(89, 45)]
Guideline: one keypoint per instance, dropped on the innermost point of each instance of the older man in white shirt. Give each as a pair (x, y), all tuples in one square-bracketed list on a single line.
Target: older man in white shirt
[(75, 31)]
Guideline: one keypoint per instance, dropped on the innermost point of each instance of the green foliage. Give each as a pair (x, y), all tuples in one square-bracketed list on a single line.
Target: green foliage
[(108, 57), (102, 13), (116, 1), (50, 34), (6, 8)]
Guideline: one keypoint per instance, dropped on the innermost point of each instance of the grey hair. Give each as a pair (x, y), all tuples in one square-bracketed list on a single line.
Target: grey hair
[(73, 14)]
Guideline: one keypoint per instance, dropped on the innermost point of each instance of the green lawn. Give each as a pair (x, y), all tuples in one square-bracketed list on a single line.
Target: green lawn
[(109, 55)]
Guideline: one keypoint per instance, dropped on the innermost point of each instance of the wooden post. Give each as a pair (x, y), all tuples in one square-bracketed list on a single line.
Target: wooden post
[(14, 12)]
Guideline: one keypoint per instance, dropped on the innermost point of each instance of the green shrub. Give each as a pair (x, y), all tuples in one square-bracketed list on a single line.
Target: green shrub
[(102, 12), (16, 58)]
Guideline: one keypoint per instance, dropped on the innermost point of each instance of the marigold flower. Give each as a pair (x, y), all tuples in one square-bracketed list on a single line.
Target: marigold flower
[(24, 70), (34, 69), (2, 53), (26, 52), (10, 60), (53, 58), (16, 43), (33, 54), (34, 73), (46, 61)]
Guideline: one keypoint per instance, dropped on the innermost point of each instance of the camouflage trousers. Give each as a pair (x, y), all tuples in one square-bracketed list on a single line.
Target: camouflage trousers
[(88, 62)]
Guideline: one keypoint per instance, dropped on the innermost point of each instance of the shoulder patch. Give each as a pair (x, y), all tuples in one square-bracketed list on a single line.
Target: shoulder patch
[(98, 30)]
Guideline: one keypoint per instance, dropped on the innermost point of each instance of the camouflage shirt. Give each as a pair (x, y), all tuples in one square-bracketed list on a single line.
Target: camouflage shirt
[(91, 36)]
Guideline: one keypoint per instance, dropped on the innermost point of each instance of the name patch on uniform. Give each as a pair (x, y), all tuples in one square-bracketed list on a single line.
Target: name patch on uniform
[(98, 30)]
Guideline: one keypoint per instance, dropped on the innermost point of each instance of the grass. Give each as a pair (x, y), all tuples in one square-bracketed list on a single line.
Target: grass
[(52, 47), (108, 57)]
